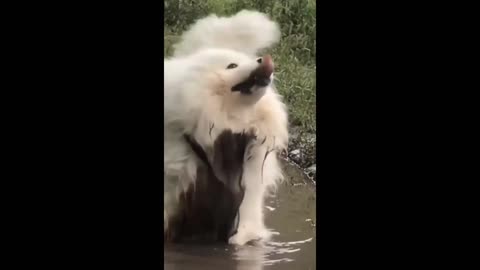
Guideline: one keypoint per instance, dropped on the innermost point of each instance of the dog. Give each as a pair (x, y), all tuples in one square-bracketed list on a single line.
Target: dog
[(224, 126)]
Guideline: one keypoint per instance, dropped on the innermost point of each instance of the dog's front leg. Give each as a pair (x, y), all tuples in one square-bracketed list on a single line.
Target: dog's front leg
[(255, 181)]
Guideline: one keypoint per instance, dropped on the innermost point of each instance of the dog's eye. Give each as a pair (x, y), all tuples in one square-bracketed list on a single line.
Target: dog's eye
[(232, 65)]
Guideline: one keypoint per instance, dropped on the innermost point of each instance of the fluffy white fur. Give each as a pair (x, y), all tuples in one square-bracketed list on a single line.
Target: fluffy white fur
[(246, 31), (199, 101)]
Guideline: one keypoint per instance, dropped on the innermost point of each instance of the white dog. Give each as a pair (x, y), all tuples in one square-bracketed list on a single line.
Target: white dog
[(215, 83)]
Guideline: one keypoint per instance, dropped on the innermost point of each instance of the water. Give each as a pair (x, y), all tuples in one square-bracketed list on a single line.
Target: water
[(291, 215)]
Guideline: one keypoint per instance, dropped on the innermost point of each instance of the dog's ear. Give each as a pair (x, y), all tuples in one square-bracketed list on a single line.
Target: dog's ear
[(247, 31)]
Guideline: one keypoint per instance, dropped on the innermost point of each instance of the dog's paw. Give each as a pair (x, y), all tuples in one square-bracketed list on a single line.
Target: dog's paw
[(246, 235)]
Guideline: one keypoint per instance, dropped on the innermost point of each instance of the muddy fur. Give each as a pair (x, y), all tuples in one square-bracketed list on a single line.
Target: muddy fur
[(208, 209)]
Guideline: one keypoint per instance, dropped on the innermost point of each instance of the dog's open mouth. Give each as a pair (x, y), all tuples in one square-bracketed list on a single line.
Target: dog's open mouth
[(260, 77)]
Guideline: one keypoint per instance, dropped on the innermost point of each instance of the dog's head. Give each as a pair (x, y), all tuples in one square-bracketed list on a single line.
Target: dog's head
[(224, 56), (237, 77)]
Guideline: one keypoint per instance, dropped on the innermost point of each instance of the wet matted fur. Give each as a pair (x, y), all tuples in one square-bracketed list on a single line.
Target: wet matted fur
[(208, 209)]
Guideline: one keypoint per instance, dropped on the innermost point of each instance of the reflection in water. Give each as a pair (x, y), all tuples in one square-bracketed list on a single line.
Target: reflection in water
[(250, 257), (260, 256)]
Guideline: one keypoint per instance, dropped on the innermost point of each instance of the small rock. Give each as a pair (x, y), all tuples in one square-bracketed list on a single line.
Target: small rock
[(312, 169), (295, 155), (295, 152)]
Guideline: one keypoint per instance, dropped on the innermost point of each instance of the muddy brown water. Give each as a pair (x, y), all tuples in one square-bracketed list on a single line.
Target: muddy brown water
[(291, 214)]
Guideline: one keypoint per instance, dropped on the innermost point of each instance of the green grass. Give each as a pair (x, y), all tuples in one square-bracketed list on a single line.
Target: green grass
[(294, 56)]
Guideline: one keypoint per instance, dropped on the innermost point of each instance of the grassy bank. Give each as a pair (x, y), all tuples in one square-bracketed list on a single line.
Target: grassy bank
[(294, 56)]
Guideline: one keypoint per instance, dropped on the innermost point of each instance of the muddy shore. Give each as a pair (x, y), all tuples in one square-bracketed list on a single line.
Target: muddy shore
[(302, 152)]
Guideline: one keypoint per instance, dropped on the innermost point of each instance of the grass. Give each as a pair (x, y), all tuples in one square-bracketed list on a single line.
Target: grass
[(294, 56)]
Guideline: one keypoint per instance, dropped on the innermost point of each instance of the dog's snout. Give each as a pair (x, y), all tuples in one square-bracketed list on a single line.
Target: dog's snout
[(264, 71), (260, 76)]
